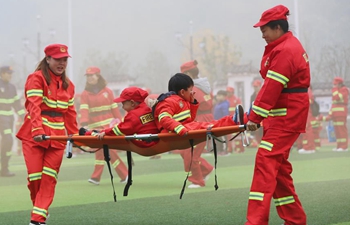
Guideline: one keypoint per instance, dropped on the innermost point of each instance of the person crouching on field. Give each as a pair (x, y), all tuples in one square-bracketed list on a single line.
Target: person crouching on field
[(138, 120)]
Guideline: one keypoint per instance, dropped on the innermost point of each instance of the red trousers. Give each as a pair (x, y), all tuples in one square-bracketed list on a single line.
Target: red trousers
[(200, 168), (42, 167), (341, 131), (272, 179), (115, 161), (308, 137)]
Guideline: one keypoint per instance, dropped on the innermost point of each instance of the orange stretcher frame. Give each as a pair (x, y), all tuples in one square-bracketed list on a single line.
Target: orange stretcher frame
[(166, 141)]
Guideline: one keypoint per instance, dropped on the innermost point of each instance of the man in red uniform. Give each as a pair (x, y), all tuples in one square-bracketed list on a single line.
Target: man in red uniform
[(307, 139), (97, 111), (339, 113), (283, 104), (234, 101), (204, 113), (50, 109)]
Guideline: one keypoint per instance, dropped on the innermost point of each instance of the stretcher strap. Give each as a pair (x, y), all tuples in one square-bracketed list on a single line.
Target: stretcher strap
[(129, 181), (213, 138), (189, 170), (107, 159)]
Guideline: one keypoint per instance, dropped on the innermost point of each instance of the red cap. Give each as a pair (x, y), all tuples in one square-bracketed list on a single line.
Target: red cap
[(92, 70), (257, 83), (230, 89), (338, 80), (56, 51), (276, 13), (132, 93), (188, 66)]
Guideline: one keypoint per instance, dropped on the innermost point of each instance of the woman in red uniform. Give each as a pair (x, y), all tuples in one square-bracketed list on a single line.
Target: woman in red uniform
[(97, 111), (282, 103), (49, 101)]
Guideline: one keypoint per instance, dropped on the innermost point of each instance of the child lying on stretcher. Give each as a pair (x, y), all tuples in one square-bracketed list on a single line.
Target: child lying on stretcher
[(138, 120), (176, 110)]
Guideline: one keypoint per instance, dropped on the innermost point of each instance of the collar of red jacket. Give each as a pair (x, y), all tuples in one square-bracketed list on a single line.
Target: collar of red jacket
[(279, 40)]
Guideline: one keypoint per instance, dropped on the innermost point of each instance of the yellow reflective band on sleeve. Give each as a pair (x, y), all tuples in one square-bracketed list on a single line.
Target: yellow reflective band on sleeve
[(53, 125), (8, 131), (338, 109), (40, 211), (284, 201), (164, 114), (116, 163), (35, 176), (55, 104), (278, 112), (260, 111), (277, 77), (71, 102), (182, 116), (114, 105), (6, 113), (8, 100), (341, 140), (256, 196), (100, 124), (117, 131), (100, 108), (99, 162), (266, 145), (84, 106), (50, 172), (179, 128), (34, 93), (21, 112), (232, 109), (338, 123)]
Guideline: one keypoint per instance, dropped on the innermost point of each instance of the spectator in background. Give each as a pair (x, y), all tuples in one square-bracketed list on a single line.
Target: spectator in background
[(9, 100), (234, 101), (221, 109), (339, 113), (97, 111)]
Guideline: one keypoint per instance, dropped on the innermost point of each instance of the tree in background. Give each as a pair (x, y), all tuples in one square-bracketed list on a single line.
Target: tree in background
[(334, 62), (114, 66), (216, 54), (154, 73)]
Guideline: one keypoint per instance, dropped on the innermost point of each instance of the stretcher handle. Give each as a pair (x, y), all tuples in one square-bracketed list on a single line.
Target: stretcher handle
[(142, 137)]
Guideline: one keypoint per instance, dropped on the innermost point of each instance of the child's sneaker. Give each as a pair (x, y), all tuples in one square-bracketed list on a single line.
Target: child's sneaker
[(238, 117), (94, 181)]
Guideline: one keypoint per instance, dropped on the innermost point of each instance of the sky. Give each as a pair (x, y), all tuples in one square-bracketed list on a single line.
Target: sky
[(136, 28)]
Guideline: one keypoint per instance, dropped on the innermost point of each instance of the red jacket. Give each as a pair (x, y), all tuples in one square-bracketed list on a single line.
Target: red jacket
[(171, 113), (137, 121), (98, 109), (284, 64), (340, 98), (234, 101), (50, 109)]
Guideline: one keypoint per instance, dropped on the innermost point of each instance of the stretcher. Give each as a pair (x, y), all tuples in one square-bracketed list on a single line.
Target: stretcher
[(165, 141)]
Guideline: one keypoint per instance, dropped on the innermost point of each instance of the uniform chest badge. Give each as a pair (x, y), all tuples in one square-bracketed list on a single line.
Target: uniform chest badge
[(181, 104), (49, 92), (267, 62), (105, 94)]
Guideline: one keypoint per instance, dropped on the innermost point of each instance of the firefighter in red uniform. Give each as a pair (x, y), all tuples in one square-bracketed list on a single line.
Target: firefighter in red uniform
[(50, 109), (307, 139), (234, 101), (176, 112), (339, 113), (97, 111), (138, 120), (283, 104), (9, 104), (204, 113)]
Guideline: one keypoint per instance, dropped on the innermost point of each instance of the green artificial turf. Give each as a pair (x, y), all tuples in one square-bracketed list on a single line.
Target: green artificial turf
[(322, 181)]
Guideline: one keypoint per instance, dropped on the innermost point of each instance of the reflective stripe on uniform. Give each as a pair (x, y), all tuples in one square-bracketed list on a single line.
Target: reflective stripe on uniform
[(266, 145), (284, 201), (277, 77), (256, 196)]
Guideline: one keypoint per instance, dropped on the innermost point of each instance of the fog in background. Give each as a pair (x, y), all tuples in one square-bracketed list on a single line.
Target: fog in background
[(140, 38)]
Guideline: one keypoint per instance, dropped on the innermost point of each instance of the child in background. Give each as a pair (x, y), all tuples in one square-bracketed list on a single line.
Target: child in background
[(138, 120), (221, 109)]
